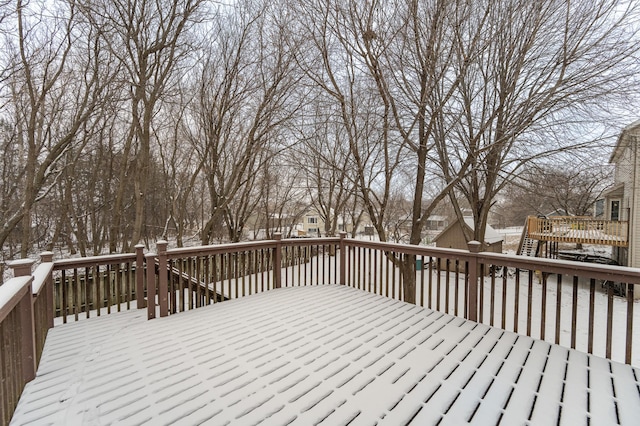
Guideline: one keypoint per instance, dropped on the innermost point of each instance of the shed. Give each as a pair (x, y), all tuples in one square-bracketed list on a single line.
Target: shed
[(453, 237)]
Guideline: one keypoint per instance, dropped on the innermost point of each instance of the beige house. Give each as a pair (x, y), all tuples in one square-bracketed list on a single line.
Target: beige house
[(312, 224), (622, 200)]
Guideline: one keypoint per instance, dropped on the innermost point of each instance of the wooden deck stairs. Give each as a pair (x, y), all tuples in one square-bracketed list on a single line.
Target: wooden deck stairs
[(528, 246)]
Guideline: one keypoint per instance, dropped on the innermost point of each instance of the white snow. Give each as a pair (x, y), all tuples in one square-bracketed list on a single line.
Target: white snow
[(40, 276), (10, 289), (324, 354)]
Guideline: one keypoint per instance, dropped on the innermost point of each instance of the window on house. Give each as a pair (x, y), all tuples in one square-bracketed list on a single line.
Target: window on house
[(599, 208), (615, 210), (312, 220)]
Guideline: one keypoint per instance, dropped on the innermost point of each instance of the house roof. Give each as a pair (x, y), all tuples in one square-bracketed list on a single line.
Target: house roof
[(491, 236), (327, 354), (616, 190), (622, 141)]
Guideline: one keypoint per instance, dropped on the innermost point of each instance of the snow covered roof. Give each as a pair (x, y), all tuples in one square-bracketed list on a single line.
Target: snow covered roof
[(490, 235), (329, 355)]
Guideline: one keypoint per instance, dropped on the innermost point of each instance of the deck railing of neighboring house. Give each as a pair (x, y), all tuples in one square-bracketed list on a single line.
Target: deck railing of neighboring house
[(554, 300), (579, 230)]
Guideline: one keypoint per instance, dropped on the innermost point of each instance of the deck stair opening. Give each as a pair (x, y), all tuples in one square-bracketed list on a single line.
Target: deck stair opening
[(528, 246), (194, 284)]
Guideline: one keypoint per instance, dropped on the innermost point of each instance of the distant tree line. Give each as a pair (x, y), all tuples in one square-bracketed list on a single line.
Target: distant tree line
[(128, 121)]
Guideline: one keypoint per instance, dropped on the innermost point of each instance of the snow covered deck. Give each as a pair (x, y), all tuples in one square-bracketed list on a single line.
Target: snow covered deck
[(317, 355)]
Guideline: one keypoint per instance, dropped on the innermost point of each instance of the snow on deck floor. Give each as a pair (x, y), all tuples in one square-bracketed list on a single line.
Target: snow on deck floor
[(329, 355)]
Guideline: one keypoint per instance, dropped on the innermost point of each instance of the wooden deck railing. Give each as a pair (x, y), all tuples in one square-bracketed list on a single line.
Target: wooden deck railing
[(579, 230), (25, 317), (569, 303), (554, 300), (17, 345), (198, 276), (99, 284)]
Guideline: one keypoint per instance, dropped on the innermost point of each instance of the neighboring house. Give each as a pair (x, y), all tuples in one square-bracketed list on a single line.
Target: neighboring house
[(436, 223), (622, 200), (453, 237), (312, 223)]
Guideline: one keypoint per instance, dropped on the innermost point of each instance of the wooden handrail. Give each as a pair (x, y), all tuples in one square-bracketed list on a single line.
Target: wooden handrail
[(18, 350)]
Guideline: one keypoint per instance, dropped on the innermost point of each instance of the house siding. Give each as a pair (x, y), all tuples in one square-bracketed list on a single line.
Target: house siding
[(626, 162), (634, 204)]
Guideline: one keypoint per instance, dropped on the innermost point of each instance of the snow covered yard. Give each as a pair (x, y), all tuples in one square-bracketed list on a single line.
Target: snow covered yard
[(323, 354)]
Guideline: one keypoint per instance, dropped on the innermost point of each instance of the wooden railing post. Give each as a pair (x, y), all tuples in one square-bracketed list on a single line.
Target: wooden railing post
[(163, 285), (343, 259), (151, 285), (140, 300), (47, 257), (472, 296), (277, 261), (22, 268)]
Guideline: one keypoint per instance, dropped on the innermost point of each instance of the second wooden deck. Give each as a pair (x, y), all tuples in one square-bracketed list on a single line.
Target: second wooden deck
[(578, 230)]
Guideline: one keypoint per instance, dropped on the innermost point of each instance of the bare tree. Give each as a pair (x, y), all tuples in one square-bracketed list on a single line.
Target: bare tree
[(554, 187), (326, 158), (149, 41), (389, 66), (282, 198), (244, 99), (57, 81), (545, 66), (182, 167)]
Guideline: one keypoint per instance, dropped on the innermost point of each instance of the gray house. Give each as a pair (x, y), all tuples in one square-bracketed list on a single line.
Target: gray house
[(622, 200)]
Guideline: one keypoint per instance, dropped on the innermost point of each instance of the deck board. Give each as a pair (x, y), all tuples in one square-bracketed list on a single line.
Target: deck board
[(329, 355)]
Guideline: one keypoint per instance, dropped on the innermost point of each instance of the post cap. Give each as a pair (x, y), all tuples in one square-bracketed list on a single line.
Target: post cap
[(21, 267), (474, 246), (46, 256)]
